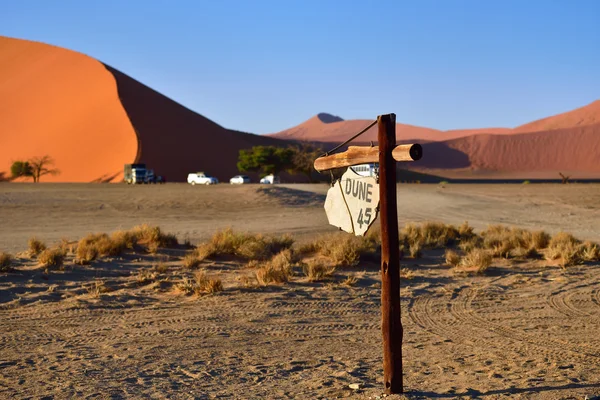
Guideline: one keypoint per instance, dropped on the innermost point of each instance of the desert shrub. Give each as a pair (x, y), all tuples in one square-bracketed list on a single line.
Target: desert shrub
[(406, 273), (507, 242), (186, 286), (415, 250), (373, 236), (67, 246), (36, 246), (317, 270), (145, 277), (476, 261), (161, 268), (245, 245), (350, 280), (205, 284), (539, 240), (342, 249), (191, 261), (589, 251), (452, 258), (6, 261), (565, 248), (465, 231), (52, 258), (124, 240), (430, 234), (279, 269), (284, 260), (152, 237), (97, 288), (88, 248), (268, 274), (523, 252), (469, 243)]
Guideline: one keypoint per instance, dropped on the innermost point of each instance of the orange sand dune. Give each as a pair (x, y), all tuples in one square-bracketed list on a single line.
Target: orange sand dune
[(586, 115), (64, 104), (92, 119), (175, 140), (570, 149)]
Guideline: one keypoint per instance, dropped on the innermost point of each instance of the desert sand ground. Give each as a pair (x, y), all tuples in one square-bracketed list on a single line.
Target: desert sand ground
[(523, 330)]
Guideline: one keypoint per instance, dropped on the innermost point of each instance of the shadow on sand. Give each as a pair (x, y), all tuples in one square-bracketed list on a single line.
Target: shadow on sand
[(509, 391)]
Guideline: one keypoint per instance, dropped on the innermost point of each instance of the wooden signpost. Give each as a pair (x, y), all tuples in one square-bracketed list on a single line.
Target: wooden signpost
[(342, 209)]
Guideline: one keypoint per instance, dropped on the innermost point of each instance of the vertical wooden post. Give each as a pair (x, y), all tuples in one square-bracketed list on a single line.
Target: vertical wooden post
[(391, 325)]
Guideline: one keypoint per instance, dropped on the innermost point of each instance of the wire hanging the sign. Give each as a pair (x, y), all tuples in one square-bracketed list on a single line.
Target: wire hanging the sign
[(348, 141), (345, 143)]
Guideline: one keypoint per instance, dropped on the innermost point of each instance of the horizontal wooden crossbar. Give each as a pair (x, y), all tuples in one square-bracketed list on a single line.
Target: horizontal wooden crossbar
[(367, 154)]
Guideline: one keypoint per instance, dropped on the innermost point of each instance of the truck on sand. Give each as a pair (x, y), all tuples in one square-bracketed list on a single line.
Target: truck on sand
[(138, 173)]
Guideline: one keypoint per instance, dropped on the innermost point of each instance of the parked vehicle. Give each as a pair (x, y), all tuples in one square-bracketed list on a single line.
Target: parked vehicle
[(270, 180), (138, 173), (134, 173), (371, 169), (200, 178), (239, 180)]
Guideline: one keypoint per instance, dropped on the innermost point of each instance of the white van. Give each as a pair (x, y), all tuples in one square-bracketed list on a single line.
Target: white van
[(371, 169), (270, 179)]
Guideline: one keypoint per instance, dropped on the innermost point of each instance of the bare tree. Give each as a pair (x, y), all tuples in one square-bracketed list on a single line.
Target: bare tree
[(565, 179), (40, 166)]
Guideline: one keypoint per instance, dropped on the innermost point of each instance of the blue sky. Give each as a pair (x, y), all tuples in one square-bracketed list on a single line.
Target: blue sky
[(265, 65)]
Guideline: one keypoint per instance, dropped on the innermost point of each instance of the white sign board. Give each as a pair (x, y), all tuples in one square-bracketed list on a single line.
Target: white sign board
[(353, 202)]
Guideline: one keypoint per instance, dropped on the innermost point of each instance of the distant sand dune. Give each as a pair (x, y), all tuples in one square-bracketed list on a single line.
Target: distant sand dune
[(64, 104), (92, 119)]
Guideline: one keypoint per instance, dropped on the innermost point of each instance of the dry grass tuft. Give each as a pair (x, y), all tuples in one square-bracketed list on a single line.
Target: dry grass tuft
[(36, 246), (507, 242), (317, 270), (452, 258), (476, 261), (244, 245), (525, 253), (565, 248), (465, 231), (123, 240), (590, 251), (205, 284), (152, 237), (406, 273), (191, 261), (351, 280), (201, 284), (67, 246), (161, 268), (186, 286), (342, 249), (539, 240), (145, 277), (6, 261), (470, 243), (268, 274), (97, 288), (429, 234), (277, 270), (415, 250), (52, 258), (90, 247), (248, 281)]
